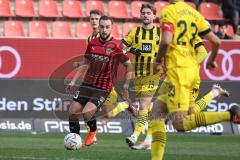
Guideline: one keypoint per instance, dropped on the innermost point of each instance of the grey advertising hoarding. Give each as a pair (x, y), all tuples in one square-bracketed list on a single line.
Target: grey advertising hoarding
[(113, 126), (34, 102)]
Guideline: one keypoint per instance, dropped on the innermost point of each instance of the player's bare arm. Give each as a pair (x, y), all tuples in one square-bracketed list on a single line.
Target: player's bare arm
[(81, 66), (128, 77), (215, 43), (167, 37)]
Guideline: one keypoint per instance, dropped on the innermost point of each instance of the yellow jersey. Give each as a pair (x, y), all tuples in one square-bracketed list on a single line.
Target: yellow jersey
[(92, 36), (147, 41), (188, 24)]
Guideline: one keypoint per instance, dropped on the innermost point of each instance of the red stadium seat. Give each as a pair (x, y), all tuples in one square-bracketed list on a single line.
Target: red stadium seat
[(210, 11), (83, 30), (5, 10), (72, 8), (118, 9), (61, 29), (159, 6), (13, 29), (38, 29), (91, 4), (115, 31), (135, 8), (191, 4), (48, 8), (24, 8), (128, 26)]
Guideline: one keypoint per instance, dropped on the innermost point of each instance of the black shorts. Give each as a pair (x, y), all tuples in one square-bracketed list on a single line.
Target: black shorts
[(91, 94)]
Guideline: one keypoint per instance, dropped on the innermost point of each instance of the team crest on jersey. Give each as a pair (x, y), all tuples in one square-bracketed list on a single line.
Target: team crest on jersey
[(156, 37), (109, 51)]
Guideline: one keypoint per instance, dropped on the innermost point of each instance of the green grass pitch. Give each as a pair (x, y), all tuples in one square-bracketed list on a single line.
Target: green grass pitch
[(113, 147)]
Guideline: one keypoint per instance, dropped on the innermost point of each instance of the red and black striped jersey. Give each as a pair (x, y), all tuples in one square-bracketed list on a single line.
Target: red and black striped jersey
[(104, 59)]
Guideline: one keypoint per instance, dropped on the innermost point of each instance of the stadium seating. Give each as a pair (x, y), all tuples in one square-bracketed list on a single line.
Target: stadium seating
[(13, 29), (38, 29), (91, 4), (83, 29), (210, 11), (71, 9), (118, 9), (135, 8), (24, 8), (5, 10), (48, 8), (61, 29), (115, 31), (127, 27), (160, 5)]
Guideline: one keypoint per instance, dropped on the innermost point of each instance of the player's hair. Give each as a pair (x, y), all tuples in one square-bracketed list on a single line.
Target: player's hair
[(106, 18), (96, 11), (150, 6)]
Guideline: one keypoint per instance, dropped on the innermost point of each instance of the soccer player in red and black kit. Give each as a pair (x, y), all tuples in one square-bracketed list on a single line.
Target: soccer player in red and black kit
[(103, 55)]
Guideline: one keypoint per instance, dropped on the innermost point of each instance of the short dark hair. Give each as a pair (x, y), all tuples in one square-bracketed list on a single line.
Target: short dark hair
[(96, 11), (106, 18), (150, 6)]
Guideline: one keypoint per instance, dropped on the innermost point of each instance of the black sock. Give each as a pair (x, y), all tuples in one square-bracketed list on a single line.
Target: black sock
[(92, 124), (74, 127)]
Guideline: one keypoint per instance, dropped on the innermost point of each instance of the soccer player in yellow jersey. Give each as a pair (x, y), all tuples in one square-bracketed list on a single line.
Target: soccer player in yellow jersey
[(143, 42), (181, 24), (194, 106)]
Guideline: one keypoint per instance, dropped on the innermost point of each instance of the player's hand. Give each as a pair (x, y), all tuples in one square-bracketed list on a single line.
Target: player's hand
[(125, 93), (135, 51), (156, 67), (69, 88), (211, 65)]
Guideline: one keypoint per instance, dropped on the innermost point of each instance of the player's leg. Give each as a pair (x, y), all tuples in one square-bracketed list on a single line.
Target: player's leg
[(74, 113), (115, 108), (206, 118), (201, 104), (141, 120), (184, 122), (145, 88), (75, 110), (88, 115), (159, 137), (95, 101), (146, 143)]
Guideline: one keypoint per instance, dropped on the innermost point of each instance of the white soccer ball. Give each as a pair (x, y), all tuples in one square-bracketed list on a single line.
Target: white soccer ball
[(72, 141)]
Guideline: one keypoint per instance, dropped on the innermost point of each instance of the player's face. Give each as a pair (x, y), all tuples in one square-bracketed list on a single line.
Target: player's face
[(105, 29), (147, 16), (94, 20)]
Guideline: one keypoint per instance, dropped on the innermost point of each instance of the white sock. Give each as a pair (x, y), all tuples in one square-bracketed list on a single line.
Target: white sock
[(214, 93)]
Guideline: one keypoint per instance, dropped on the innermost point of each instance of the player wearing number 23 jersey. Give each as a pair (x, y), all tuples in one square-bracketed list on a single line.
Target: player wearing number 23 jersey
[(182, 67)]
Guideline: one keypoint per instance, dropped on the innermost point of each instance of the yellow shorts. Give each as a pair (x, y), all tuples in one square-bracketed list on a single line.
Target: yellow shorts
[(146, 86), (195, 91), (112, 98), (176, 89)]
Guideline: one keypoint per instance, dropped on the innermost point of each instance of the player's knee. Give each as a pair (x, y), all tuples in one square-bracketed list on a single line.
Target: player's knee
[(108, 115), (87, 117), (178, 125)]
